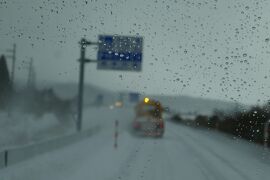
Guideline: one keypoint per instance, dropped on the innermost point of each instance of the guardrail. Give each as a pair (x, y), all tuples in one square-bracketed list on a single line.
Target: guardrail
[(15, 155)]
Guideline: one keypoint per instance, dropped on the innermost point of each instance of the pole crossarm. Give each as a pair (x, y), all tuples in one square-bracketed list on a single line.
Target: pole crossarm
[(84, 42), (88, 60)]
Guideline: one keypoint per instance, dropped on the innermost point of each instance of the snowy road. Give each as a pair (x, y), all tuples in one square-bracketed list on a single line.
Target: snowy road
[(183, 153)]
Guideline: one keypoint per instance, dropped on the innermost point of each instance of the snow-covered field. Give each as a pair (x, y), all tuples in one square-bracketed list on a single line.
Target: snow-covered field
[(19, 129), (183, 153)]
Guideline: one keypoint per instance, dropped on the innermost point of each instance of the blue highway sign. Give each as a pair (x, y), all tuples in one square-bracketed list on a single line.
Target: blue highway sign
[(120, 52), (134, 97)]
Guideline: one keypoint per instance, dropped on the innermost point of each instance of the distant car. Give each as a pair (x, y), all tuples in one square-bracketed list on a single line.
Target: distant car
[(118, 104), (148, 120)]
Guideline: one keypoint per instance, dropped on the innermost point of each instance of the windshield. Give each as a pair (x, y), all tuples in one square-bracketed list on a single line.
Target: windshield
[(79, 79)]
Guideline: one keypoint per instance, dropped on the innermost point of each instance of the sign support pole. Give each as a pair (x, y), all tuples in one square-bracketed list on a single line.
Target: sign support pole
[(81, 85), (83, 43)]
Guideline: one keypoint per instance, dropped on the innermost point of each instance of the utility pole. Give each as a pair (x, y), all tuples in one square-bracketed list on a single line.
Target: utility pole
[(13, 56), (83, 44), (31, 75)]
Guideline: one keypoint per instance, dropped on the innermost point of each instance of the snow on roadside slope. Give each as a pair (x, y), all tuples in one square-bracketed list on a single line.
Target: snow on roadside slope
[(67, 161), (20, 129)]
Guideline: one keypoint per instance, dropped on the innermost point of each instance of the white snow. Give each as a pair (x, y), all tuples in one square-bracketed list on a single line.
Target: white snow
[(183, 153), (17, 128)]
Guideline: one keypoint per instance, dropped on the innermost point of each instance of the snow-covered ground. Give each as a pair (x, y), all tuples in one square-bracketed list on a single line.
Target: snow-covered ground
[(183, 153), (18, 129)]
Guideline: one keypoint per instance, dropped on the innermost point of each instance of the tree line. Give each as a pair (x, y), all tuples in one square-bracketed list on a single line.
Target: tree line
[(246, 124)]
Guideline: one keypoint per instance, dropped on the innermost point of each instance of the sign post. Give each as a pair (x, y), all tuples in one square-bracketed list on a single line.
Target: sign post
[(83, 43), (114, 53)]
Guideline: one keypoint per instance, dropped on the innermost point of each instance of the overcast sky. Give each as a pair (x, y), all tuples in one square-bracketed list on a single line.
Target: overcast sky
[(215, 49)]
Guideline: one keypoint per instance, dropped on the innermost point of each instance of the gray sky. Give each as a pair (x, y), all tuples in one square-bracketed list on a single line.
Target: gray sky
[(215, 49)]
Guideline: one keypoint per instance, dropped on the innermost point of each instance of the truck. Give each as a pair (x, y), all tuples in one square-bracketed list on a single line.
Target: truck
[(148, 120)]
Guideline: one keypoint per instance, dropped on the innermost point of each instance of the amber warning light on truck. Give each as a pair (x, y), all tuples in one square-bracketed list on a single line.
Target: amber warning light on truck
[(146, 100)]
